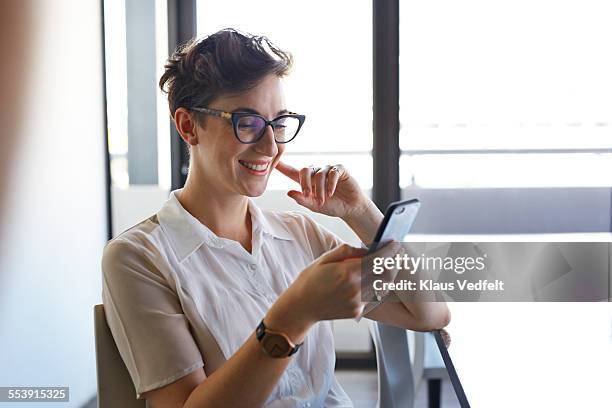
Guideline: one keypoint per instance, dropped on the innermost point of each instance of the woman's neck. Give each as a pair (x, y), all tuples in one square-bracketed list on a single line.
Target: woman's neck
[(227, 215)]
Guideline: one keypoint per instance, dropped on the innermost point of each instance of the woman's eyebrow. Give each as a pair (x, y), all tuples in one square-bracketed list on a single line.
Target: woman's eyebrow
[(251, 110)]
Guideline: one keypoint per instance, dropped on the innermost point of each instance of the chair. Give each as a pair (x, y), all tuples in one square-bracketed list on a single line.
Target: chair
[(433, 368), (402, 368), (115, 386), (396, 379)]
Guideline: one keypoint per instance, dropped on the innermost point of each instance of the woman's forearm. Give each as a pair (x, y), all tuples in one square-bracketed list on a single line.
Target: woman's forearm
[(245, 380), (416, 314), (249, 376), (365, 222)]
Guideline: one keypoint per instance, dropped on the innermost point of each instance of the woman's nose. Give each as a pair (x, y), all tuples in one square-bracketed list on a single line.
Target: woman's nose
[(267, 144)]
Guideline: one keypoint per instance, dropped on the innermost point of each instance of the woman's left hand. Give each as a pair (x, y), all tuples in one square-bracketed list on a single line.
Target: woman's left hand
[(328, 190)]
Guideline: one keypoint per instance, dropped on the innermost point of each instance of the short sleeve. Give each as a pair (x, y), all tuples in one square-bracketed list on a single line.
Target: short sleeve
[(145, 317)]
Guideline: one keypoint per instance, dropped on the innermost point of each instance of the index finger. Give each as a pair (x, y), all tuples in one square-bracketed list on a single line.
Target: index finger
[(387, 249), (342, 253), (289, 171)]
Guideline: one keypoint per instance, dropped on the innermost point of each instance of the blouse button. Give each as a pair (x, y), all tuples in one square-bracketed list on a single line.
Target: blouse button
[(252, 267)]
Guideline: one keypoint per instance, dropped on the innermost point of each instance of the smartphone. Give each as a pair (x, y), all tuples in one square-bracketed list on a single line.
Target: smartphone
[(399, 217), (396, 224)]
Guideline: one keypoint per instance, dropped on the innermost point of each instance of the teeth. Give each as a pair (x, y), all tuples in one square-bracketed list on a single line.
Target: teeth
[(256, 167)]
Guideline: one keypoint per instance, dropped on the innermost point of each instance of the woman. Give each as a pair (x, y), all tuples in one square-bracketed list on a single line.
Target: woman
[(195, 293)]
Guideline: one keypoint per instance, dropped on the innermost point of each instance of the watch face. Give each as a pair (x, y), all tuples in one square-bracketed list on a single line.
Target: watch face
[(275, 345)]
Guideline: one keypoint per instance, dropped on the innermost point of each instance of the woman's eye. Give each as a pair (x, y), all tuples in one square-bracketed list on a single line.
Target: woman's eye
[(247, 126), (280, 124)]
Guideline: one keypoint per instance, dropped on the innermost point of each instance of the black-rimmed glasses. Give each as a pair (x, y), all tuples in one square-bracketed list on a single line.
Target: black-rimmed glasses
[(250, 127)]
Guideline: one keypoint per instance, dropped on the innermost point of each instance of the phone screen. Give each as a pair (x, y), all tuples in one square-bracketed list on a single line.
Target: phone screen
[(397, 222)]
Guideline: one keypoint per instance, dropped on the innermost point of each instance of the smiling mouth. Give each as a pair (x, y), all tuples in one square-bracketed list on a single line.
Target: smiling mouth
[(259, 168)]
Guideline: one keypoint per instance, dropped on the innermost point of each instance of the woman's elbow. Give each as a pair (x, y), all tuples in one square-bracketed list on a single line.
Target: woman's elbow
[(436, 319), (445, 318)]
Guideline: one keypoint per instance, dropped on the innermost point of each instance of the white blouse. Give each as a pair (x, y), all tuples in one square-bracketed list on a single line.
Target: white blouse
[(177, 297)]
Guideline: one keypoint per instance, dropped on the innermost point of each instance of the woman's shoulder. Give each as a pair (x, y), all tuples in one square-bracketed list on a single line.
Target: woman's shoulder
[(136, 242)]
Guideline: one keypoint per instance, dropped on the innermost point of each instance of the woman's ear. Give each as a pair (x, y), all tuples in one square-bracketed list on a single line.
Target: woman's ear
[(185, 125)]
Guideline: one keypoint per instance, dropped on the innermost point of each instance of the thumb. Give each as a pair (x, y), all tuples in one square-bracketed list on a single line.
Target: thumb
[(342, 252)]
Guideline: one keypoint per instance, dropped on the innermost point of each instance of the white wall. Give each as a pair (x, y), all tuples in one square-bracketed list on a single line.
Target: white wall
[(134, 204), (55, 226)]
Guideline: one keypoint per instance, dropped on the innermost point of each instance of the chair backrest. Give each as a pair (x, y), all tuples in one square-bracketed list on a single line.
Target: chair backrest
[(405, 358), (115, 386), (396, 377)]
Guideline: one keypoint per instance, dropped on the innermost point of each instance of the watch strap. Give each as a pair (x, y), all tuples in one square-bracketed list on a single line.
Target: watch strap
[(295, 349), (261, 330)]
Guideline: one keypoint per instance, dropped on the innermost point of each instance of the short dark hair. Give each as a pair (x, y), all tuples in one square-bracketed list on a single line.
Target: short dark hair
[(226, 62)]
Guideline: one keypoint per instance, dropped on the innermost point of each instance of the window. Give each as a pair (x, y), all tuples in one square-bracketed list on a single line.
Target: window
[(517, 94), (331, 81), (136, 46)]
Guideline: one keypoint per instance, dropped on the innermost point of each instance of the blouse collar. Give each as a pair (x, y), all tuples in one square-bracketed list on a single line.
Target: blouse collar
[(187, 233)]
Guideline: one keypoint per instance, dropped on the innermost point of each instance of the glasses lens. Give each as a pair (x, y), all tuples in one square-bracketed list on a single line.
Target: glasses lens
[(249, 128), (285, 128)]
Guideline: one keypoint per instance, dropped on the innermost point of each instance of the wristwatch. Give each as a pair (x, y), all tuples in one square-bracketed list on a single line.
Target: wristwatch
[(275, 344)]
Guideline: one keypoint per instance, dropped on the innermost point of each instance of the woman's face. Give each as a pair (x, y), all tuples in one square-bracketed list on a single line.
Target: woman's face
[(222, 160)]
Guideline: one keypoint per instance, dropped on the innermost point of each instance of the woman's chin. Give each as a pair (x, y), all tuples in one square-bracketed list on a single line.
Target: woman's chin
[(255, 190)]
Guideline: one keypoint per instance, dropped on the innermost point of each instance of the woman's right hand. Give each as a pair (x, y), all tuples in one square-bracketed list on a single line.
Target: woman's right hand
[(330, 287)]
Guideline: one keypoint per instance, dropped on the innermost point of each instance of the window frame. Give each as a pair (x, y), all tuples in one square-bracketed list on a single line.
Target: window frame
[(575, 210), (386, 150), (541, 208)]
